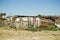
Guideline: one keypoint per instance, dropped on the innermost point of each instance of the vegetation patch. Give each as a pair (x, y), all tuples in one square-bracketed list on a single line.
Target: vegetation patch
[(53, 28)]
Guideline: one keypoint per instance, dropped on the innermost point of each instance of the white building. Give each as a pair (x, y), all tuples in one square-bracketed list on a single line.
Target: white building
[(27, 21)]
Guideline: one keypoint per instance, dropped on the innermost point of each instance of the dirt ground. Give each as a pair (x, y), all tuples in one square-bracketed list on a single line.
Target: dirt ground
[(29, 35)]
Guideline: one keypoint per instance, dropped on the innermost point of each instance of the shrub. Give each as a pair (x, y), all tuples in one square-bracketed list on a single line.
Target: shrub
[(53, 28), (31, 29), (12, 26)]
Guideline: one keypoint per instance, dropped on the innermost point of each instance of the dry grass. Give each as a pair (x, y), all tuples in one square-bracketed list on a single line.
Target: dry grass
[(28, 35)]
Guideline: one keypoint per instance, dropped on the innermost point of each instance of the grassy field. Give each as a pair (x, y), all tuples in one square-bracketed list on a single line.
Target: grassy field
[(28, 35)]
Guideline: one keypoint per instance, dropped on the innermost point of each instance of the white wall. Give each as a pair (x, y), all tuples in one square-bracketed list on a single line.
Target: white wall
[(58, 25), (25, 19), (17, 19)]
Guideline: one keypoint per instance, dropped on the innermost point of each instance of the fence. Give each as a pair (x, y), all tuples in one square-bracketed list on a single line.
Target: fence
[(21, 24)]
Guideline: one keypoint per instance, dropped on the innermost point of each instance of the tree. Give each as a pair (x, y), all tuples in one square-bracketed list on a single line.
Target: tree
[(4, 14), (1, 15), (1, 18), (39, 15)]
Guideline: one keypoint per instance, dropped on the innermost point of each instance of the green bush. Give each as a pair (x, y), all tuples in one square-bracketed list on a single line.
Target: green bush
[(53, 28), (12, 26), (50, 28), (31, 29)]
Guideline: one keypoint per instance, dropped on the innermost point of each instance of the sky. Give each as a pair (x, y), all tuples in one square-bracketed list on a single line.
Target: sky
[(30, 7)]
